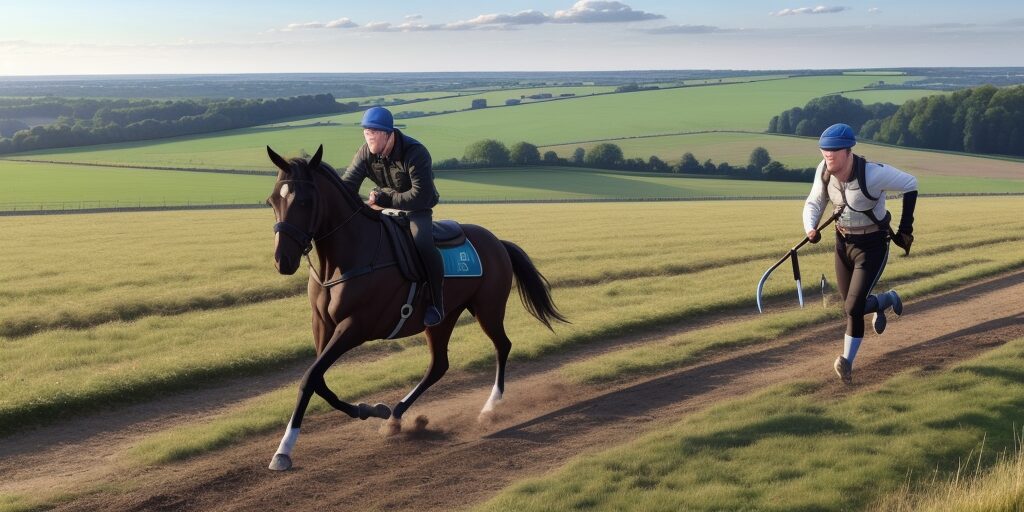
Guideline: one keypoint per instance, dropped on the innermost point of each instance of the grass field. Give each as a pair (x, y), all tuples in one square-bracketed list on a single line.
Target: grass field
[(802, 152), (217, 294), (740, 106), (43, 186), (32, 186), (158, 302), (67, 187), (786, 449)]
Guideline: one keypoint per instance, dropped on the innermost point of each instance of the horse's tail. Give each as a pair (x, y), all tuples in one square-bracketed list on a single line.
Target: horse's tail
[(534, 289)]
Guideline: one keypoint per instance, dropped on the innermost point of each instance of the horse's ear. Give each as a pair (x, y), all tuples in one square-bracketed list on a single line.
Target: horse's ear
[(315, 162), (278, 161)]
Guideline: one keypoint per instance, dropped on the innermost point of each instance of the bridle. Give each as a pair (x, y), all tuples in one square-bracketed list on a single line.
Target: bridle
[(307, 238)]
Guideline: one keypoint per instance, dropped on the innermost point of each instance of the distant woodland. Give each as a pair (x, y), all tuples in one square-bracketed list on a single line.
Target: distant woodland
[(982, 119), (83, 122)]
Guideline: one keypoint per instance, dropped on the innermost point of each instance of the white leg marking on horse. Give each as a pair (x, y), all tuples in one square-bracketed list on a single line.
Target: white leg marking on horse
[(288, 441), (492, 402)]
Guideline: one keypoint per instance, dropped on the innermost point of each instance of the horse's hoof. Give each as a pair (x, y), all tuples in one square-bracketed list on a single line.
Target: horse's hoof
[(391, 427), (281, 462), (376, 411)]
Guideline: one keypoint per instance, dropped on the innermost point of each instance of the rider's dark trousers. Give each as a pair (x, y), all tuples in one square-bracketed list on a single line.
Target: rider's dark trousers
[(860, 260), (420, 225)]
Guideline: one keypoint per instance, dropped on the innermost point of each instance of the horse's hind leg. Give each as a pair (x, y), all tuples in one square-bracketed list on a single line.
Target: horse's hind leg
[(437, 340), (492, 321)]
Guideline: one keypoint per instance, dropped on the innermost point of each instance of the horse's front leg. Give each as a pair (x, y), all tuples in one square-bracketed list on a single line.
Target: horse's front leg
[(343, 340)]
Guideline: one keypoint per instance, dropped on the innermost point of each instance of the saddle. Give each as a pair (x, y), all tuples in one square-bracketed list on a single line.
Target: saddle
[(447, 233)]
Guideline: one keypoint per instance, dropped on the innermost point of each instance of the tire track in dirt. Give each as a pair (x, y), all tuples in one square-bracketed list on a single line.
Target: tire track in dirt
[(454, 461)]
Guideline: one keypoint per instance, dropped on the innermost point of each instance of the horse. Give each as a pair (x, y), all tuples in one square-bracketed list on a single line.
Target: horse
[(357, 292)]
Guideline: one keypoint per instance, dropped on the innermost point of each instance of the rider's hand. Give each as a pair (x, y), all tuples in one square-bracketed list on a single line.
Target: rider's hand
[(372, 201), (813, 236), (903, 241)]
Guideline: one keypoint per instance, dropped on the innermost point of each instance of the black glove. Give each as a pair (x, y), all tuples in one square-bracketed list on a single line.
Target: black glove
[(816, 239), (383, 197), (903, 241), (907, 217)]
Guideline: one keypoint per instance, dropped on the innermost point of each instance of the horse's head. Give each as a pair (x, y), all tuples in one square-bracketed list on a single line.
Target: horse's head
[(294, 200)]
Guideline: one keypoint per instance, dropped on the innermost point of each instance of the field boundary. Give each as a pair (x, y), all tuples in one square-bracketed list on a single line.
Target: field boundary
[(6, 210), (145, 167)]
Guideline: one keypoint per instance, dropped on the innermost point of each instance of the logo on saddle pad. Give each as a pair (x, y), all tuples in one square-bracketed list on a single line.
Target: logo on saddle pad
[(461, 260)]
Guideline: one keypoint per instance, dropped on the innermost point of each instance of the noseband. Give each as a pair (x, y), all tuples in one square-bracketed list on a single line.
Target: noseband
[(304, 238)]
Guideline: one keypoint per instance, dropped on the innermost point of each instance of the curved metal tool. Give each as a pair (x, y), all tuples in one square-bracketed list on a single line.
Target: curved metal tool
[(796, 264)]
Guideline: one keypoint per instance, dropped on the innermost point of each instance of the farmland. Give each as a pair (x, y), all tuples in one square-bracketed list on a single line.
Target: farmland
[(149, 360), (125, 327), (656, 112)]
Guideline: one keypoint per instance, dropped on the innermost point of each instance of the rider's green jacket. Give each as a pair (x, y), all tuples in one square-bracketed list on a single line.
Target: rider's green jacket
[(404, 178)]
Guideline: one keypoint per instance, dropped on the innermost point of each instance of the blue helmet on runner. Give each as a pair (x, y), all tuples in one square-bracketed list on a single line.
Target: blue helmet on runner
[(837, 136)]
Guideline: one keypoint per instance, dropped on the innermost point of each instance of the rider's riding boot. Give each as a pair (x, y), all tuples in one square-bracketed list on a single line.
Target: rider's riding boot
[(435, 276), (885, 301)]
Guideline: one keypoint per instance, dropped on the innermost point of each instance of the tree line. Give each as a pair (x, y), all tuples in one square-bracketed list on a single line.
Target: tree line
[(84, 122), (490, 153), (982, 119)]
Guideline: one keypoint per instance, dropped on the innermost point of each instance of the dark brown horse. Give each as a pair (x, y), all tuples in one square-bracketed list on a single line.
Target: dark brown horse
[(357, 293)]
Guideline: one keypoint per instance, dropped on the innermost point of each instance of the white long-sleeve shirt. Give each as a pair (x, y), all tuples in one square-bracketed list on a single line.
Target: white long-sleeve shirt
[(879, 178)]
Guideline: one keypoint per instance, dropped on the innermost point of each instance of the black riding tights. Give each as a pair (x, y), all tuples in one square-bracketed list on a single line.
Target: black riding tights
[(422, 234), (860, 260)]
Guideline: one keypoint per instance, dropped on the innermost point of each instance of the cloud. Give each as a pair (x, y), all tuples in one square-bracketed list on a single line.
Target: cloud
[(821, 9), (599, 11), (874, 10), (583, 11), (530, 17), (338, 23), (685, 29)]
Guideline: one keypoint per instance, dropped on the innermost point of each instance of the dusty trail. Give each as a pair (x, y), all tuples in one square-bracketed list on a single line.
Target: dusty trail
[(455, 461)]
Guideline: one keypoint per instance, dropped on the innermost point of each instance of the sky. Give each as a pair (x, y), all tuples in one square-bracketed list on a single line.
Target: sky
[(63, 37)]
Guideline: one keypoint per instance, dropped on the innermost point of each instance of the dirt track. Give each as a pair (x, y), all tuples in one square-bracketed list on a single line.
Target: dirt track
[(341, 464)]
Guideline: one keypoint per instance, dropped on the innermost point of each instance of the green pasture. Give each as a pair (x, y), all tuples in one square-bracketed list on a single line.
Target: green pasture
[(390, 98), (897, 96), (802, 152), (788, 449), (144, 304), (737, 106), (42, 186), (465, 100), (34, 186), (45, 186)]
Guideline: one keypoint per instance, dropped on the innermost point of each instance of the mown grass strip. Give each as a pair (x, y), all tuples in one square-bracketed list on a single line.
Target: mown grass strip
[(785, 449)]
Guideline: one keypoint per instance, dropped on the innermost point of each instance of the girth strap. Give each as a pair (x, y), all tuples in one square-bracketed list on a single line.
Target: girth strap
[(405, 312)]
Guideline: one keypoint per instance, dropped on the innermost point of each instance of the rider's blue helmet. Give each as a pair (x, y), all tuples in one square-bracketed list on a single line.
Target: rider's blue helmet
[(837, 136), (379, 118)]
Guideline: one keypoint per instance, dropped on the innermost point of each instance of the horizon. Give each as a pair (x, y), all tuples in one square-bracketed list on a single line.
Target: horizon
[(118, 37)]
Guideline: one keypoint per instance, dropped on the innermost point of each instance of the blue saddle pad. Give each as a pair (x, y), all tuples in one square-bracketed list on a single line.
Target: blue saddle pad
[(461, 261)]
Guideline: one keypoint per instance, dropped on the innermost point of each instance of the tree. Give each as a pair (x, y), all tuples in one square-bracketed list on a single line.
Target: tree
[(759, 158), (655, 164), (550, 157), (524, 153), (689, 164), (578, 156), (604, 155), (487, 152), (479, 103)]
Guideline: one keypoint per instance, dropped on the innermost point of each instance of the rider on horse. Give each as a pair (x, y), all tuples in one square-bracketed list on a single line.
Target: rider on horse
[(400, 167)]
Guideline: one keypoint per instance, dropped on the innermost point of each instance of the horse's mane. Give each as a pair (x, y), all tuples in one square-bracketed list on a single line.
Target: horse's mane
[(328, 171)]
